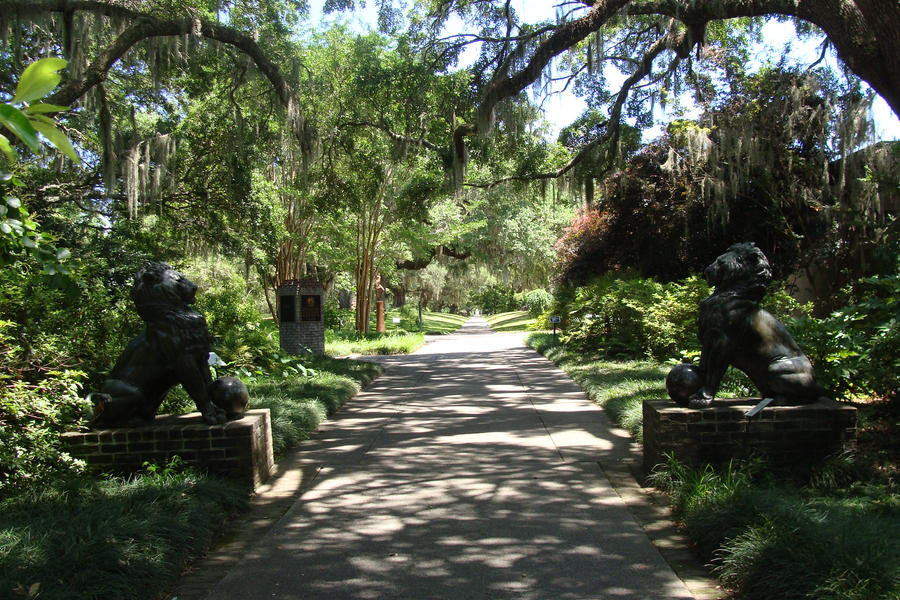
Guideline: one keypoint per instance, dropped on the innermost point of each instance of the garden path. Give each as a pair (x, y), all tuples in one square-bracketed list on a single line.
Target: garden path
[(468, 470)]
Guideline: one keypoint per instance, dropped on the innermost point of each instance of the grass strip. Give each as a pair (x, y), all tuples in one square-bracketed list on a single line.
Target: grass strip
[(298, 405), (837, 537), (518, 320), (344, 343)]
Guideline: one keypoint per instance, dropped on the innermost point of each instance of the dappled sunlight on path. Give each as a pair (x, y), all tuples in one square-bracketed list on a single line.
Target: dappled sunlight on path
[(467, 471)]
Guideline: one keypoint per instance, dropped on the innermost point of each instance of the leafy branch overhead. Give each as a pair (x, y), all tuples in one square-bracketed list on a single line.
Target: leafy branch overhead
[(650, 41), (25, 118), (863, 32), (141, 25)]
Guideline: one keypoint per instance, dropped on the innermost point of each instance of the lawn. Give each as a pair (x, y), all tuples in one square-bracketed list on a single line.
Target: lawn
[(518, 320), (396, 341), (406, 319), (402, 334), (433, 323)]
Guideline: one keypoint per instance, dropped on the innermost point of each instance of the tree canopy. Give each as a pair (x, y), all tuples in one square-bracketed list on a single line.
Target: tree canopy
[(230, 126)]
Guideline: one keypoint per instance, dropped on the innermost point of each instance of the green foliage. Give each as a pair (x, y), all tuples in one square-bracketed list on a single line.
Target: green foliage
[(335, 316), (20, 235), (113, 538), (32, 416), (242, 337), (633, 316), (495, 298), (856, 349), (536, 302), (777, 541), (55, 343)]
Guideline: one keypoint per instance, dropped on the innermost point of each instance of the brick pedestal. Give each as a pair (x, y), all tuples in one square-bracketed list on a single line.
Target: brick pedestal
[(786, 436), (240, 449)]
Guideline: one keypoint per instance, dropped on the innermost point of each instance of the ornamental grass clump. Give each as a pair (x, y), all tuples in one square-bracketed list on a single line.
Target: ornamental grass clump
[(125, 538), (772, 540), (298, 406)]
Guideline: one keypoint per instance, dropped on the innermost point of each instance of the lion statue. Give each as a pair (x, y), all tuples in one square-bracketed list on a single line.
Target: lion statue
[(734, 330), (174, 348)]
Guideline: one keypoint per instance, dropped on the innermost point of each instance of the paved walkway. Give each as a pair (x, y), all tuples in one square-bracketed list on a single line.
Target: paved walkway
[(467, 471)]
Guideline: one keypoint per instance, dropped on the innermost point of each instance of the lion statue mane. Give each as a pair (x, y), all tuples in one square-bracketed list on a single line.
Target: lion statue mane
[(734, 330), (173, 348)]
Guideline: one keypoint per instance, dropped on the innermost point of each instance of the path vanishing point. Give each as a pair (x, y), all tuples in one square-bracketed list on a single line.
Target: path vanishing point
[(469, 470)]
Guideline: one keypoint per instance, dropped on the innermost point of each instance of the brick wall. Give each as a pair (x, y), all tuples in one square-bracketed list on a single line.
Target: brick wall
[(785, 435), (300, 337), (240, 449)]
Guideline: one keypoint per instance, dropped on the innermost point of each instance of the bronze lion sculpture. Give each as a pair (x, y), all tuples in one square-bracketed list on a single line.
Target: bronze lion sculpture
[(173, 348), (734, 330)]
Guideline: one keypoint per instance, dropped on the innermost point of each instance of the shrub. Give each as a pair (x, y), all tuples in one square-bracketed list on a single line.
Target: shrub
[(495, 299), (337, 318), (536, 302), (57, 338), (856, 350), (634, 316), (32, 415), (241, 337)]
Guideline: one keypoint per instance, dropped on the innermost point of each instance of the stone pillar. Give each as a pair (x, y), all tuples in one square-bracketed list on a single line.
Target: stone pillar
[(301, 320)]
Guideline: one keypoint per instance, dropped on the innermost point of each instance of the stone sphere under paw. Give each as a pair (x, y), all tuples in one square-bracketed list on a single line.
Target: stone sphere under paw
[(682, 382), (230, 394)]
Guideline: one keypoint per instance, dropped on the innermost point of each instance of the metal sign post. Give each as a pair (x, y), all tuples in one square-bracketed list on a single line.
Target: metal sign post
[(555, 320)]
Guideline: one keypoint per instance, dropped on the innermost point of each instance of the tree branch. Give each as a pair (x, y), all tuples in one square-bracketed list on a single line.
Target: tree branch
[(144, 26), (852, 26), (681, 44), (417, 264), (397, 137)]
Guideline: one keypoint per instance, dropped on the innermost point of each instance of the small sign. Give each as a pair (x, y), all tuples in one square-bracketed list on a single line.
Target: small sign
[(555, 319), (396, 319)]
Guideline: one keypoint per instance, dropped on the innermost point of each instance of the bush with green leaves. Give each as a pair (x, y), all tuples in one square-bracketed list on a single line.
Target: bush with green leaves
[(336, 317), (493, 299), (58, 339), (634, 316), (856, 350), (32, 416), (536, 302), (242, 338)]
